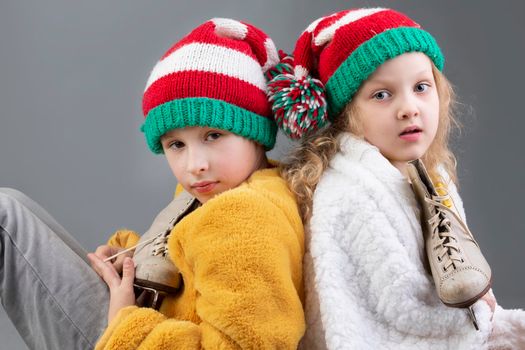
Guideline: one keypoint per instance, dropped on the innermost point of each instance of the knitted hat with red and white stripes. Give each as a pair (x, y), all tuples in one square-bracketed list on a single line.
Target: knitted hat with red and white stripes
[(213, 77), (334, 56)]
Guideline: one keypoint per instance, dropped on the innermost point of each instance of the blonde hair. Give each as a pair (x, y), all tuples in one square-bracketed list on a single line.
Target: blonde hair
[(305, 165)]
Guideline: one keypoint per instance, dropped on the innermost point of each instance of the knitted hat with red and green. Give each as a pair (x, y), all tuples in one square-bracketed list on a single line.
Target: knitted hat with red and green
[(334, 56), (213, 77)]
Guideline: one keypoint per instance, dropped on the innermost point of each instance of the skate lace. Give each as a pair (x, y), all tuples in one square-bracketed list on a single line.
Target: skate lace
[(160, 244), (449, 251)]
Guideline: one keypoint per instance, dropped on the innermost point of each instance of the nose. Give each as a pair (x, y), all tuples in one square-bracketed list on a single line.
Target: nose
[(408, 107), (197, 161)]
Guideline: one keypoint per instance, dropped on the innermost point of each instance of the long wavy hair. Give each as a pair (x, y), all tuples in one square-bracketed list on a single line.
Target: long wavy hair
[(303, 168)]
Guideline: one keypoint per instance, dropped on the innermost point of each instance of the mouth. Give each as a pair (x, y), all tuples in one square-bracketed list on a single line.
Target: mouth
[(204, 186), (411, 130)]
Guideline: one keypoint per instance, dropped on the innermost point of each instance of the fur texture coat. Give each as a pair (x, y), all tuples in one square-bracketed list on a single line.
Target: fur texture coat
[(240, 258), (366, 283)]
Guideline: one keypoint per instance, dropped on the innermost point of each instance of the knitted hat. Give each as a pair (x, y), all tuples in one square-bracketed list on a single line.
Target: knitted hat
[(213, 77), (334, 56)]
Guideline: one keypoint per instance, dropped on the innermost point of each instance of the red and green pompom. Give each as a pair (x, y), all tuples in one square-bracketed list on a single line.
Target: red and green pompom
[(285, 66), (299, 105)]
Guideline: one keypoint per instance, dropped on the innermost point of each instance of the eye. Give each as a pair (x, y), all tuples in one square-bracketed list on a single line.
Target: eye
[(381, 95), (213, 135), (421, 87), (176, 144)]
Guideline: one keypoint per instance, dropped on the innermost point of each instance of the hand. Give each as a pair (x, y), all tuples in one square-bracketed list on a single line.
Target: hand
[(105, 251), (490, 299), (120, 289)]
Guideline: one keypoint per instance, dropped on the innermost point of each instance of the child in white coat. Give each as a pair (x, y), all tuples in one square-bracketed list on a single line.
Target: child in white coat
[(375, 77)]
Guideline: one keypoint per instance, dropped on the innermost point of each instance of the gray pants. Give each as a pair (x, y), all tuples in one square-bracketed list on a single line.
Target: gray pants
[(49, 291)]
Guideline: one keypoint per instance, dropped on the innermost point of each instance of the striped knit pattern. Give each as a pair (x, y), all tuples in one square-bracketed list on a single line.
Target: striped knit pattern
[(212, 77), (343, 49)]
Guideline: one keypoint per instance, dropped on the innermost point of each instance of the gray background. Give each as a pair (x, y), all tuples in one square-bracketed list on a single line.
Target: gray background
[(72, 75)]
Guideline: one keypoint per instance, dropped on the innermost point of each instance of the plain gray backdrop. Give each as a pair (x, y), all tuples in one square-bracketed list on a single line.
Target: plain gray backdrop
[(72, 75)]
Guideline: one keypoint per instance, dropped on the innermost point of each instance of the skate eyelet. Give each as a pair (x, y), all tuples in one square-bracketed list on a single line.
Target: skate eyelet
[(439, 259)]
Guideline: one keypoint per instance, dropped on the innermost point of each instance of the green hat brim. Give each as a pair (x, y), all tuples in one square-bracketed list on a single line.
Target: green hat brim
[(207, 112), (349, 76)]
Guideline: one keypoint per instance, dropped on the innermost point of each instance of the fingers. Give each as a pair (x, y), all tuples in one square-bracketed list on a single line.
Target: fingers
[(93, 264), (490, 300), (128, 272), (491, 293), (105, 251), (105, 270), (120, 260), (121, 289), (101, 252), (122, 295)]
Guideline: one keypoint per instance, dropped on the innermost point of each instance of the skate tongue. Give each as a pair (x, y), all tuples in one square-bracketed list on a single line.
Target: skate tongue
[(425, 178)]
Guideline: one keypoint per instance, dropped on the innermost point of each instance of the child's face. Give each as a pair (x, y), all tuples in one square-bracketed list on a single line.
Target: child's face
[(398, 108), (208, 161)]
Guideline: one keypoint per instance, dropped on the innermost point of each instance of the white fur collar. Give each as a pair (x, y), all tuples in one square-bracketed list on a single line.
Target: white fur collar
[(358, 150)]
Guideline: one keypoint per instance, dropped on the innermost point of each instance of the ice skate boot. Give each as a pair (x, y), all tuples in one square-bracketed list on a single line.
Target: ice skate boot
[(460, 272), (154, 269), (155, 273)]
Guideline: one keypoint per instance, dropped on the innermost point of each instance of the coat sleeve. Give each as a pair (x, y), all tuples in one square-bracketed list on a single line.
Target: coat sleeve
[(123, 239), (246, 263), (509, 329), (399, 290)]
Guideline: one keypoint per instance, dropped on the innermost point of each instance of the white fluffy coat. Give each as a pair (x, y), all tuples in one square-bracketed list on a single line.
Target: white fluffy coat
[(366, 284)]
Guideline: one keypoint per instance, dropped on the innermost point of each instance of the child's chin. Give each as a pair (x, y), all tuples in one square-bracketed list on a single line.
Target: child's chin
[(416, 152)]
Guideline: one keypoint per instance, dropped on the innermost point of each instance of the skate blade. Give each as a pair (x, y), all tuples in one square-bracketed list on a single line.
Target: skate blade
[(472, 316)]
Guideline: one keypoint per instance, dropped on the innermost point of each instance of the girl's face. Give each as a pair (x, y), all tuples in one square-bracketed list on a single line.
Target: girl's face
[(209, 161), (398, 108)]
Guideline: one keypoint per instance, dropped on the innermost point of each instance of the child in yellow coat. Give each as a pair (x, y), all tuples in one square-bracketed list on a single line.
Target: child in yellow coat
[(240, 252)]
